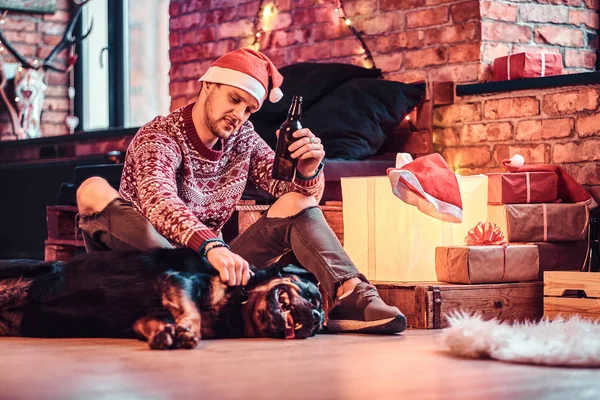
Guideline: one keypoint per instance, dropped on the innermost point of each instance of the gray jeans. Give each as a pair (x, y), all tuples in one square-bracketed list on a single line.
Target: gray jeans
[(121, 227)]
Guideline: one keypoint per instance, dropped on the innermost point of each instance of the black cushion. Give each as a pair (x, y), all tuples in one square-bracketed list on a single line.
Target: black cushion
[(354, 120), (311, 81), (347, 106)]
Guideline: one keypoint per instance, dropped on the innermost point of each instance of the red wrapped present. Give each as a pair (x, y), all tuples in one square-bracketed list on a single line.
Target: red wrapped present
[(522, 187), (527, 65)]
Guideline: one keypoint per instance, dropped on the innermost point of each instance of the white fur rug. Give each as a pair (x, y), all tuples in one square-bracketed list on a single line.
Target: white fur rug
[(574, 342)]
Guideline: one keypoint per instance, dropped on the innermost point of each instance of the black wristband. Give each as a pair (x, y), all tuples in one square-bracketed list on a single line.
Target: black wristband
[(222, 244), (207, 241), (314, 175)]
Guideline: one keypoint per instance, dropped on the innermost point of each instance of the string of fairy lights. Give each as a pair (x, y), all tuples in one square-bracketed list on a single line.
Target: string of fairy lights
[(266, 12)]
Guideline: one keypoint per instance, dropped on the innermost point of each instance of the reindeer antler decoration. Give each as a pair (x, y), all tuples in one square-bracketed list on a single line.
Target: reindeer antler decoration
[(30, 78)]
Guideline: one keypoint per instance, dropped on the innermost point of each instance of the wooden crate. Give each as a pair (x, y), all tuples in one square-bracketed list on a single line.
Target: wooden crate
[(568, 293), (64, 240), (249, 212), (426, 304), (62, 252), (61, 223)]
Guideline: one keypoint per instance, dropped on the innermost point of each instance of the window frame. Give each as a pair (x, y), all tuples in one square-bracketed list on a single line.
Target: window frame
[(117, 68)]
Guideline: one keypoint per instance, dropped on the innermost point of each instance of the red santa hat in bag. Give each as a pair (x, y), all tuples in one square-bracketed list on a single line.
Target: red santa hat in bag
[(248, 70), (429, 184), (569, 190)]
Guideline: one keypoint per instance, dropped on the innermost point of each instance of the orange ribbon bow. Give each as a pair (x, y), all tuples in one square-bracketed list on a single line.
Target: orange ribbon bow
[(488, 234), (485, 234)]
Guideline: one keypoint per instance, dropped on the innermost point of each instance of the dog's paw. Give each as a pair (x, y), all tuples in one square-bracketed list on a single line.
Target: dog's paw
[(186, 337), (163, 339)]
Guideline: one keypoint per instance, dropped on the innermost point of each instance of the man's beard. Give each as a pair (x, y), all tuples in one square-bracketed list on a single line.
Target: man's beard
[(211, 123)]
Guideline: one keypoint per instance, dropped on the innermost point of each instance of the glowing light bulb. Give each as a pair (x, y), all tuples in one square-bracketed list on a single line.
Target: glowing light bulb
[(348, 22), (268, 11), (257, 34)]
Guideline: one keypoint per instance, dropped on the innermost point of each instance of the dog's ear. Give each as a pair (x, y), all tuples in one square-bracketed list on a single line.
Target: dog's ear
[(300, 272)]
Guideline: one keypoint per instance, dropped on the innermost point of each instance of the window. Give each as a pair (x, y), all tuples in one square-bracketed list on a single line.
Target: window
[(124, 68)]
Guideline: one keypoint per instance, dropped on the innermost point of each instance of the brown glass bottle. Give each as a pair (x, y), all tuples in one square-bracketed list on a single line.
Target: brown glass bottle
[(284, 166)]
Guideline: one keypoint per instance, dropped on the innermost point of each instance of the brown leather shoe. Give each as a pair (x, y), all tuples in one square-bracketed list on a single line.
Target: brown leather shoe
[(363, 311)]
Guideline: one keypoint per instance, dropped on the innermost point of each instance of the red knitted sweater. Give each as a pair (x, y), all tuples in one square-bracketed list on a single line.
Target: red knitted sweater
[(188, 191)]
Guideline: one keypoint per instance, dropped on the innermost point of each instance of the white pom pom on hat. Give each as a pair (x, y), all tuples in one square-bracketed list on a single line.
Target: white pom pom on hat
[(517, 160), (276, 95), (248, 70)]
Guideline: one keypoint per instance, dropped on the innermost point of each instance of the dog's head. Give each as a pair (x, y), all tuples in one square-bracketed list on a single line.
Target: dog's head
[(282, 302)]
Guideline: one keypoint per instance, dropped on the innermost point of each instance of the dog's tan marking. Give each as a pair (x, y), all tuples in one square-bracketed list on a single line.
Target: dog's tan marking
[(13, 292), (158, 333), (217, 291), (10, 323), (182, 307)]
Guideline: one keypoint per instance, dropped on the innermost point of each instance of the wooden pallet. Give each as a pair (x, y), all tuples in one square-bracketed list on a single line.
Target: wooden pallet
[(426, 304), (568, 293)]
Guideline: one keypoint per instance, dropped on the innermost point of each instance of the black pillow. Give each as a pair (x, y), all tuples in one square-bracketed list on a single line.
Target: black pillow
[(354, 119), (311, 81)]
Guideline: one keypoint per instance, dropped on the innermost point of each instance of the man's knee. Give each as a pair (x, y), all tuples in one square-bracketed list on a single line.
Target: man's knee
[(94, 194), (290, 204)]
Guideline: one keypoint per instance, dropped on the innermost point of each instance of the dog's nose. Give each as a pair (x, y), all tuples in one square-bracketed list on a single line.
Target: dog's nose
[(316, 317)]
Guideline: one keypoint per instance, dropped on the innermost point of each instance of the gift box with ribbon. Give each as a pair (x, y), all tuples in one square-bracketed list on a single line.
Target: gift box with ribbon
[(541, 222), (560, 256), (522, 188), (486, 258), (526, 65)]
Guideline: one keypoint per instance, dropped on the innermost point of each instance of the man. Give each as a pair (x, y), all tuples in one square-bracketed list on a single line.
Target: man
[(185, 172)]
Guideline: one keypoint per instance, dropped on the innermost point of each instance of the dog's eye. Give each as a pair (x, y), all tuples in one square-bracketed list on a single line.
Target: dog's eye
[(312, 299)]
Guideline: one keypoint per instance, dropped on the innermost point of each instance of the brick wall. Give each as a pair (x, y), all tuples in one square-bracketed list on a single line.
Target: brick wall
[(569, 27), (433, 40), (559, 126), (34, 35), (410, 39)]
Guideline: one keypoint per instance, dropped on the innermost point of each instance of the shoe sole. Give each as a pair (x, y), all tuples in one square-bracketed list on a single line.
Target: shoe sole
[(387, 326)]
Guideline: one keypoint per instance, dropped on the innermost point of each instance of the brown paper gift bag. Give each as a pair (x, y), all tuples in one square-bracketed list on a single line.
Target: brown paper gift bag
[(389, 240)]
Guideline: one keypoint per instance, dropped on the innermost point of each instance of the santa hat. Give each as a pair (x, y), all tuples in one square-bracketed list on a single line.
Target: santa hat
[(429, 184), (248, 70), (569, 190)]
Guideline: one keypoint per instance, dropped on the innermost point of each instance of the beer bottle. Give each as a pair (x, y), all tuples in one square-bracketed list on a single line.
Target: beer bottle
[(284, 166)]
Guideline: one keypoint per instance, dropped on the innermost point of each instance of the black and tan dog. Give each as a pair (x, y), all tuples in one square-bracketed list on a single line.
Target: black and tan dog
[(169, 297)]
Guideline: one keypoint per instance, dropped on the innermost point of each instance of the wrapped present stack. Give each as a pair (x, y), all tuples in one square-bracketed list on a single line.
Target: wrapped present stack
[(544, 206), (537, 221)]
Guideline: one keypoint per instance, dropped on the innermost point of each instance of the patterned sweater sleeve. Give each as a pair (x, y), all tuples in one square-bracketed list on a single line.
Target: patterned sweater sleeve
[(156, 158), (261, 167)]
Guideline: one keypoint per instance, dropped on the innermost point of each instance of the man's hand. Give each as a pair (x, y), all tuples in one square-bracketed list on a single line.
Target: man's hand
[(233, 269), (308, 150)]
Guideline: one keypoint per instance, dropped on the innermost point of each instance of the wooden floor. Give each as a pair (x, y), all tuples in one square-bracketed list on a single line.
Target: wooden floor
[(412, 365)]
